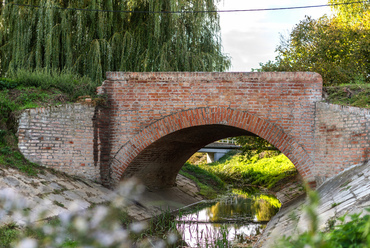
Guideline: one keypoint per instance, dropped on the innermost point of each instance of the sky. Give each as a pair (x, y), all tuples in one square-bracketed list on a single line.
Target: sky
[(252, 37)]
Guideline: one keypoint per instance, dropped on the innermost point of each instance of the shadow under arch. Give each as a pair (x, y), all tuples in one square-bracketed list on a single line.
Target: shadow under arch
[(156, 154)]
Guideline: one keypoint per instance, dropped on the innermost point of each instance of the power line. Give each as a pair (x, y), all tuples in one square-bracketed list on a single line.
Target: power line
[(191, 11)]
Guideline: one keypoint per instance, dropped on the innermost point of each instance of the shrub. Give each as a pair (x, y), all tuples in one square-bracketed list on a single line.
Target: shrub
[(99, 226)]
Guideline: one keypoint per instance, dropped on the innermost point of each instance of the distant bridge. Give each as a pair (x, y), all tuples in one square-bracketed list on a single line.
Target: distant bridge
[(217, 150)]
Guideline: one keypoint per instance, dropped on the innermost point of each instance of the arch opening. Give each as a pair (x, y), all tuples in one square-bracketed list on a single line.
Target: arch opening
[(156, 154), (158, 164)]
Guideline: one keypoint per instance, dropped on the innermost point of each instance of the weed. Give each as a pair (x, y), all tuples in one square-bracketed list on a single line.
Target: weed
[(58, 191), (346, 183), (59, 204), (354, 233), (8, 233), (2, 135), (333, 205), (5, 151), (331, 223)]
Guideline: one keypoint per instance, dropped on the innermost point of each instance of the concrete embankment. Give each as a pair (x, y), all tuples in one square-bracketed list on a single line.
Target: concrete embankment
[(347, 193), (57, 191)]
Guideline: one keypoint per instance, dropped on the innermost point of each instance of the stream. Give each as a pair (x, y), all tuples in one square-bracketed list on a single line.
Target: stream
[(236, 220)]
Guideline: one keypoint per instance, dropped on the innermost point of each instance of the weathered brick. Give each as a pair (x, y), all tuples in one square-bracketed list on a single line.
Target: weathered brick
[(155, 121)]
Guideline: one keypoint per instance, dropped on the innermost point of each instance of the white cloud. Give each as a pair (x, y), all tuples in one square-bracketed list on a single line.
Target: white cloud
[(251, 37)]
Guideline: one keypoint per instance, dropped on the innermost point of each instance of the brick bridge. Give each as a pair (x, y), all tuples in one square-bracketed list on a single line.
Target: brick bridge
[(154, 122)]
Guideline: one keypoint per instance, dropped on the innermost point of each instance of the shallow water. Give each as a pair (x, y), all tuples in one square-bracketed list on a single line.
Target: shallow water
[(236, 219)]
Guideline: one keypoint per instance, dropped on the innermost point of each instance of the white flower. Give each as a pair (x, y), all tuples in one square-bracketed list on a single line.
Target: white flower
[(99, 213), (48, 230), (80, 224), (74, 207), (120, 235), (105, 239), (137, 227), (27, 243), (172, 238), (65, 218)]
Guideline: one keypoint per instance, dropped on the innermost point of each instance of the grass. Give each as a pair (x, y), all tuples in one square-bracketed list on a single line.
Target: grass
[(356, 95), (265, 172), (8, 234), (72, 85), (333, 205), (233, 170), (210, 185)]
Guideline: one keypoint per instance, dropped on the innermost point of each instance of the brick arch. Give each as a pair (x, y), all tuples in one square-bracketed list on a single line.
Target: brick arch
[(121, 163)]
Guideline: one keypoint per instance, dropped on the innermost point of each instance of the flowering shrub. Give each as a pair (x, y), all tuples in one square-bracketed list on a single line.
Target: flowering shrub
[(98, 226)]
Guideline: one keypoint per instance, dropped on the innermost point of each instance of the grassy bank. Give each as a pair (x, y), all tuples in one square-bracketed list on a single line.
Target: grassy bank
[(238, 172), (355, 95)]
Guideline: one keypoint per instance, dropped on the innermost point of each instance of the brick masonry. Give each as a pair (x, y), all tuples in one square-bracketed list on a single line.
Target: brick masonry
[(60, 137), (155, 121), (148, 112), (342, 138)]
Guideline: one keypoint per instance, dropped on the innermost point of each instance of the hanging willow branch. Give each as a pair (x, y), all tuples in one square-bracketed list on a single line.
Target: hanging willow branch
[(93, 42)]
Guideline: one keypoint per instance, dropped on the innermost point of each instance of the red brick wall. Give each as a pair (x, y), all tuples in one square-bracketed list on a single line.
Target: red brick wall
[(155, 121), (342, 138), (145, 107), (60, 137)]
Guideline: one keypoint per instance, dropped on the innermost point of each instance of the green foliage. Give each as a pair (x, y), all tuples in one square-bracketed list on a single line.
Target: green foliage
[(6, 83), (209, 184), (356, 95), (253, 145), (353, 234), (8, 233), (338, 50), (265, 172), (70, 84), (352, 12), (10, 157), (58, 35), (2, 136)]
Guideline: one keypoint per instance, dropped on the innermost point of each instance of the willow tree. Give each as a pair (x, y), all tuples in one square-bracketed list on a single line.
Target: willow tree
[(91, 37)]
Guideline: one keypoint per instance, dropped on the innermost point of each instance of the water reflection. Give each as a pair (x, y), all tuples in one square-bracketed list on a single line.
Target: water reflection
[(235, 219)]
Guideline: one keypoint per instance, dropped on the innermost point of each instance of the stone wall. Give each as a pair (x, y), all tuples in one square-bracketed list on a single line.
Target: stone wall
[(342, 138), (61, 137)]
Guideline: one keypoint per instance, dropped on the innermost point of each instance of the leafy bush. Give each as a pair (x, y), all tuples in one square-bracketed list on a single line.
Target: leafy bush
[(6, 83)]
